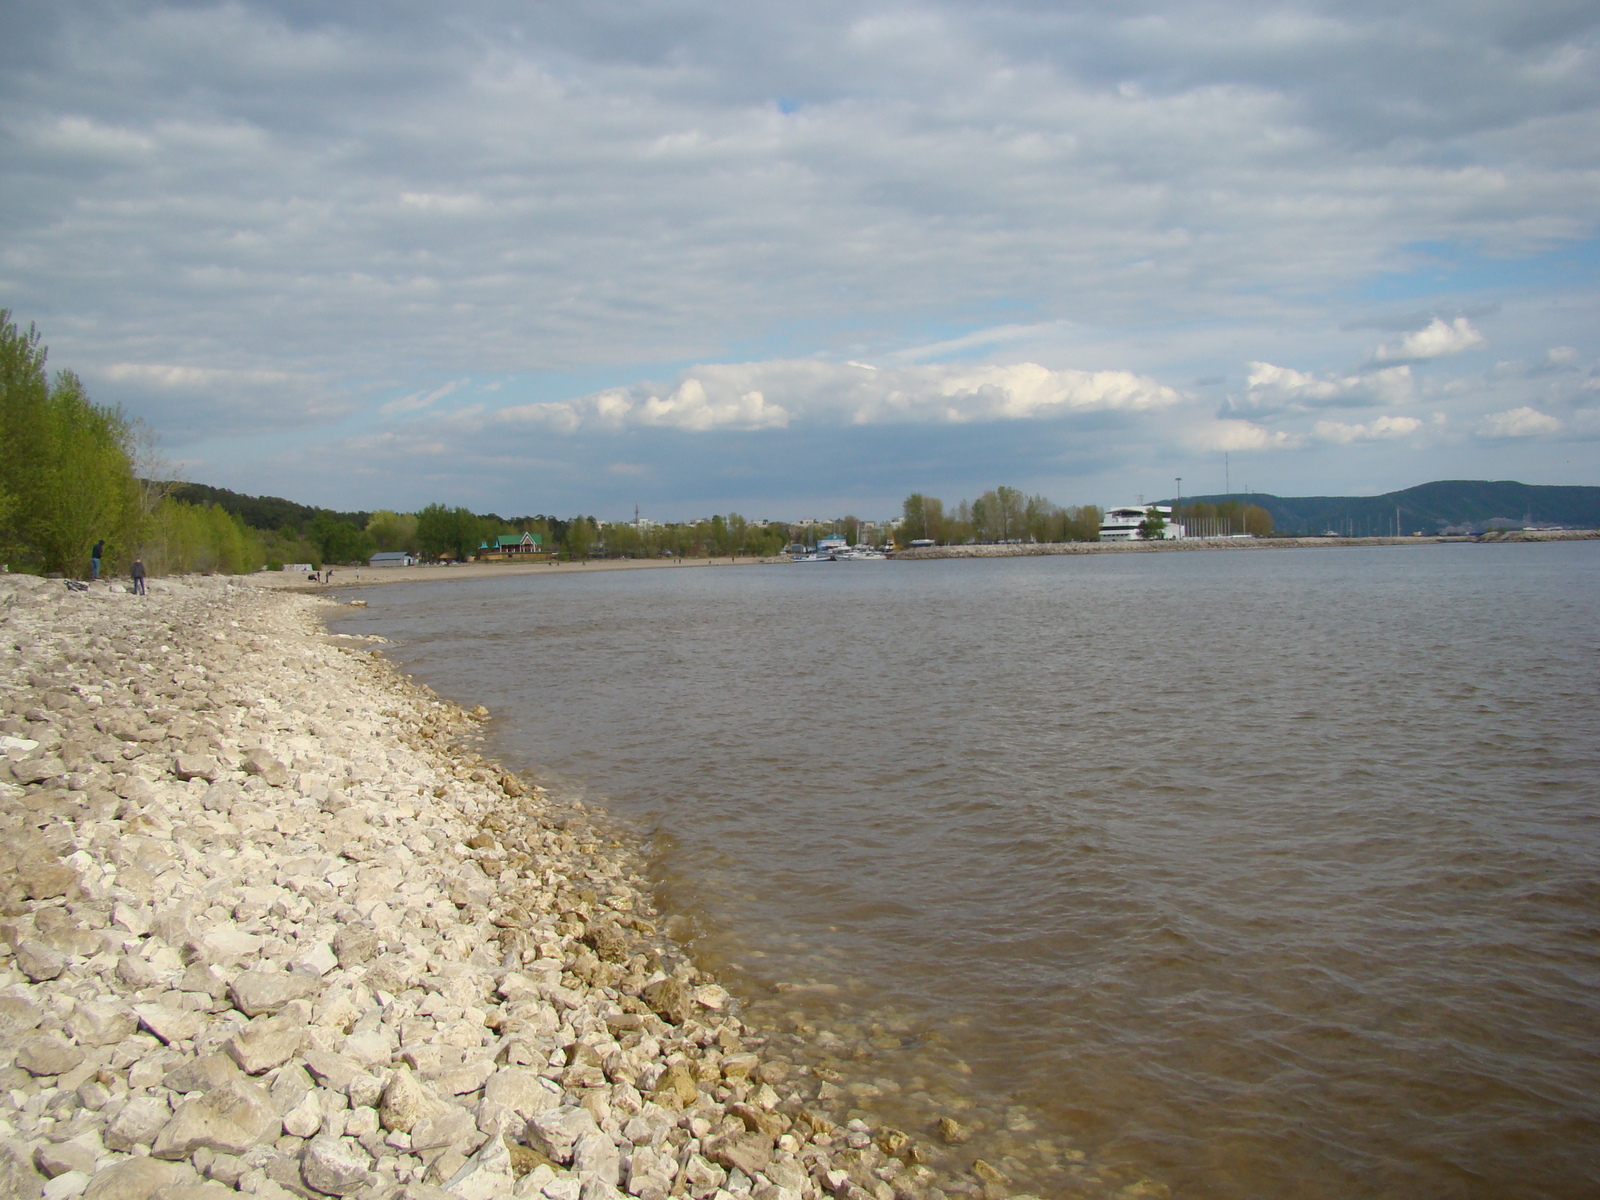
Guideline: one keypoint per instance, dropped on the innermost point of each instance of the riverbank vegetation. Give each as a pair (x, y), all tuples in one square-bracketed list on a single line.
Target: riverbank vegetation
[(1224, 518), (1004, 514), (70, 479)]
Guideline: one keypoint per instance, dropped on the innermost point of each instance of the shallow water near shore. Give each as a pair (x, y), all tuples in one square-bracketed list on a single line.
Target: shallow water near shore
[(1251, 874)]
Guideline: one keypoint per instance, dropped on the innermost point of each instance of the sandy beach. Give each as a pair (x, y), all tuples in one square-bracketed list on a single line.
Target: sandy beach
[(274, 926)]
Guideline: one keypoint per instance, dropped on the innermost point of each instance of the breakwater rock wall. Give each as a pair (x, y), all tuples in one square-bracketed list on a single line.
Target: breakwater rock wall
[(270, 925), (1186, 545), (1022, 549)]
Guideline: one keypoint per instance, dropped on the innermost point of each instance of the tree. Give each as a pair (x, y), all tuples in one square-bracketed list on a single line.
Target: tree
[(1154, 525), (580, 534), (921, 517), (66, 470), (448, 532), (1081, 523), (623, 540), (340, 541), (393, 531), (720, 544), (191, 537), (1009, 506), (913, 518)]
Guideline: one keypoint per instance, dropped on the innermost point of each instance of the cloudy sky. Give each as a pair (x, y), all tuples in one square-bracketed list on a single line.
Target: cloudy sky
[(800, 259)]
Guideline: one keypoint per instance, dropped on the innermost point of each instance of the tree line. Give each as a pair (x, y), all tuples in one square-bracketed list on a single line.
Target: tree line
[(1225, 518), (1004, 514), (70, 479)]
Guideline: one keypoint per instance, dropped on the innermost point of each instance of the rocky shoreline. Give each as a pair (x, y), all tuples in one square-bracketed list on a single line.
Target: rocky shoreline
[(272, 926)]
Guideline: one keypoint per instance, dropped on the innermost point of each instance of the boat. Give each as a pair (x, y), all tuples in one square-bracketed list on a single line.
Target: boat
[(859, 554)]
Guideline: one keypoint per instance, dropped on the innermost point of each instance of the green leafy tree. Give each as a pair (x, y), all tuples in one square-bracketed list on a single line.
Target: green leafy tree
[(340, 541), (624, 540), (393, 531), (181, 538), (66, 469), (720, 543), (1153, 526), (920, 517), (1081, 523), (580, 536), (1257, 521), (449, 532)]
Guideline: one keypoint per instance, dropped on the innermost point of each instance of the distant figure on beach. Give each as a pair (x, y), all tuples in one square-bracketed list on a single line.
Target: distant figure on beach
[(327, 577), (95, 556), (137, 571)]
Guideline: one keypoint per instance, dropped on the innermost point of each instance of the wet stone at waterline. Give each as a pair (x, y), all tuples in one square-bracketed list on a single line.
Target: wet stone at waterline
[(290, 933)]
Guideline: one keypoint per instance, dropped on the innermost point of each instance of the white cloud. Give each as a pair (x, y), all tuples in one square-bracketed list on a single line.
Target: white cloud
[(1519, 423), (417, 401), (690, 408), (453, 204), (769, 395), (1379, 429), (1244, 435), (173, 376), (1436, 340), (435, 192), (1270, 388)]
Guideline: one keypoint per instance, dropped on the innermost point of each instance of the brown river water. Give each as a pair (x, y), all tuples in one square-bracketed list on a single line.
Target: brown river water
[(1219, 874)]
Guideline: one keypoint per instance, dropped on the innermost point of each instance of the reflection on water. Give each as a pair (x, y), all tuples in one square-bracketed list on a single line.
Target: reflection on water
[(1257, 874)]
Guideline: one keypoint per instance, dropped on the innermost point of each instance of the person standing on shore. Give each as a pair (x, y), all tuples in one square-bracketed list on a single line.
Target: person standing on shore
[(137, 571), (95, 556)]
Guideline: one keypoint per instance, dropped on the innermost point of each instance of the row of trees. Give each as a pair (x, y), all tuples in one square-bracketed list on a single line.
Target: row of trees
[(1204, 519), (440, 532), (70, 478), (1002, 515), (66, 468)]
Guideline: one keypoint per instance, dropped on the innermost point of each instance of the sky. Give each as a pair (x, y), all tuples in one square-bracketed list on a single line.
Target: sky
[(801, 260)]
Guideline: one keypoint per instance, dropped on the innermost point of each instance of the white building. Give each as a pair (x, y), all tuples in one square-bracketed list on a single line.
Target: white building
[(1122, 524)]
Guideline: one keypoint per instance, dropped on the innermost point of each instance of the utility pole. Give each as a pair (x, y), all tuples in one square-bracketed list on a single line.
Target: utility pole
[(1177, 505), (1227, 475)]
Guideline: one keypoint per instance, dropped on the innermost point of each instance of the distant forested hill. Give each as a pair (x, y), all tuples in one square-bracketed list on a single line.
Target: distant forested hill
[(1429, 507), (264, 512)]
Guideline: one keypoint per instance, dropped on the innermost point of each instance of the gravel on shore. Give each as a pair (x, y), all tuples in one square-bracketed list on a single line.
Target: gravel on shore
[(271, 926)]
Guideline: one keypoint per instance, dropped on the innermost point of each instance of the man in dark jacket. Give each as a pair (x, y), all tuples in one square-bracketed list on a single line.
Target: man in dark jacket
[(95, 556), (137, 571)]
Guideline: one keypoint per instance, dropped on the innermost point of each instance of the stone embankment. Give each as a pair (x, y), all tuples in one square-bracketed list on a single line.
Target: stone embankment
[(1030, 549), (1025, 549), (271, 926)]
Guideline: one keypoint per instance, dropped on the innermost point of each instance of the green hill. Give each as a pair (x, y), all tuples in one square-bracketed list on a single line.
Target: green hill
[(1430, 507), (263, 512)]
